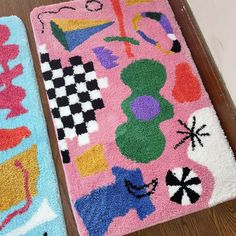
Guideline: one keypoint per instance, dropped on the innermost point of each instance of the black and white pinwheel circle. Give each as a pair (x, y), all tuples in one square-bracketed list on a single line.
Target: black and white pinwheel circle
[(184, 186)]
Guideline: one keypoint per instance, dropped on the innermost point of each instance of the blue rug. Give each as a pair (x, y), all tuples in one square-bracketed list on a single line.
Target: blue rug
[(30, 201)]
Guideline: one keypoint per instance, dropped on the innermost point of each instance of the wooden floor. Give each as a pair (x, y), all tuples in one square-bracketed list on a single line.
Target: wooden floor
[(220, 220)]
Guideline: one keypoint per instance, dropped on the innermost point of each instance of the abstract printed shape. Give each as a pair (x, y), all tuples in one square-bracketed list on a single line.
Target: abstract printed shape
[(106, 57), (93, 5), (74, 96), (184, 186), (140, 138), (134, 2), (145, 108), (102, 205), (12, 182), (164, 22), (216, 155), (28, 197), (187, 87), (136, 190), (42, 215), (10, 138), (121, 39), (192, 133), (72, 33), (92, 161), (120, 17), (52, 12), (11, 96)]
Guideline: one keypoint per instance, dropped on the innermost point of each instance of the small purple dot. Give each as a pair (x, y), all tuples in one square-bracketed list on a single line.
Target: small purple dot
[(145, 108), (143, 14)]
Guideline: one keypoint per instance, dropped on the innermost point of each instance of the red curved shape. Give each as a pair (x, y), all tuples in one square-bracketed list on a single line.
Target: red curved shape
[(10, 138), (22, 210), (187, 87)]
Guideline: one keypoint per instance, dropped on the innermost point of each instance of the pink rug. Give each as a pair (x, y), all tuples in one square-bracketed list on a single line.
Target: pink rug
[(140, 141)]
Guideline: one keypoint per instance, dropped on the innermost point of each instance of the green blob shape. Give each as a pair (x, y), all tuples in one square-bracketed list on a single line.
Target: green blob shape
[(59, 34), (138, 140), (122, 39)]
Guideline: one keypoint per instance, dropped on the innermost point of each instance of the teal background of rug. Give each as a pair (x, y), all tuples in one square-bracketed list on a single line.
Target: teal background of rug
[(47, 182)]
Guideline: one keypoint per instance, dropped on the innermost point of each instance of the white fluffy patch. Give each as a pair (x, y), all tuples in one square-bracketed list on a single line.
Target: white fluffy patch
[(62, 144), (185, 199), (70, 133), (92, 126), (87, 106), (57, 73), (79, 69), (58, 123), (42, 215), (216, 155), (60, 92), (73, 99), (64, 111), (45, 67), (171, 36), (178, 172), (49, 84), (95, 94), (90, 76), (53, 103), (83, 139), (78, 118), (81, 87), (42, 49), (196, 188), (173, 189), (69, 79), (103, 83), (191, 175)]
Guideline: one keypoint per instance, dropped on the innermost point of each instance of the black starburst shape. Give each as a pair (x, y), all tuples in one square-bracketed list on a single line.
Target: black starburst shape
[(193, 133)]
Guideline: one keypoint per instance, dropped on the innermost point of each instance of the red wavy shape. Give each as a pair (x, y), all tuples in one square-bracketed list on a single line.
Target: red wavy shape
[(11, 96), (22, 210)]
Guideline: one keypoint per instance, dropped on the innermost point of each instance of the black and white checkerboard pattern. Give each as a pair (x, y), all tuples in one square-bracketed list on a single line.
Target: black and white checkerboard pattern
[(74, 96)]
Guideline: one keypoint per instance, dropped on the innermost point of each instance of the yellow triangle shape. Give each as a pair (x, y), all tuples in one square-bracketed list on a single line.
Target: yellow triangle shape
[(92, 161), (75, 24)]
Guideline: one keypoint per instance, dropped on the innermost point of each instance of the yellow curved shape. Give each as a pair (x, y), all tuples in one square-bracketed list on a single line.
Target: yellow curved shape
[(133, 2), (167, 52), (136, 20), (75, 24), (12, 178)]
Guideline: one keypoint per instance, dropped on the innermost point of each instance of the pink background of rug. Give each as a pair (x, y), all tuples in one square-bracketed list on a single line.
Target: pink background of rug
[(110, 117)]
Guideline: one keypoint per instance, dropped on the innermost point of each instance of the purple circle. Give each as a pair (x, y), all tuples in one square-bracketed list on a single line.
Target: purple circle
[(145, 107)]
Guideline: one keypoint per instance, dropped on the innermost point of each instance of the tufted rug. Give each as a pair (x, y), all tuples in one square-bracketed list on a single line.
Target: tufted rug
[(139, 138)]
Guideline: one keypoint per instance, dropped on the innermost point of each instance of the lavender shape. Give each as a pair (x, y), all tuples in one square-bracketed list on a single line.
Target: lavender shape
[(105, 57)]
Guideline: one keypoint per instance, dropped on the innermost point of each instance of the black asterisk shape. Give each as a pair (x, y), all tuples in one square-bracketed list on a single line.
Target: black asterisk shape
[(192, 133)]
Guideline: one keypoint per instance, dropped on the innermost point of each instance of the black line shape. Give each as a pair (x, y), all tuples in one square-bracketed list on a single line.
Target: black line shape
[(99, 8), (130, 186), (192, 133), (51, 12)]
